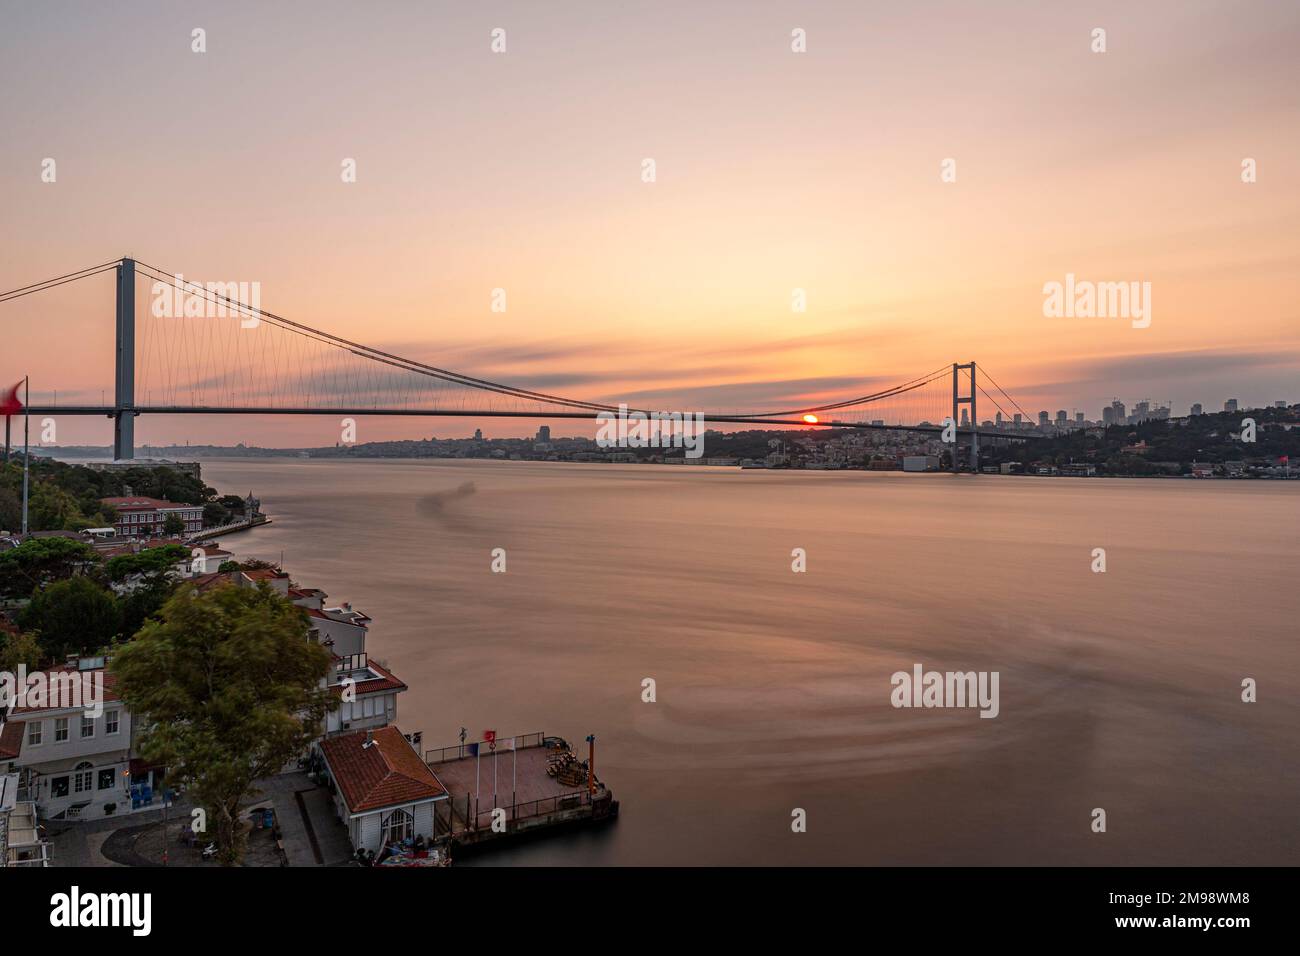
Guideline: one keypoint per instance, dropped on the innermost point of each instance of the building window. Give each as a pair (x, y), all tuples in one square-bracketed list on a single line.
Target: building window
[(87, 726), (60, 729), (111, 721), (35, 731), (398, 826), (107, 778), (83, 777), (58, 787)]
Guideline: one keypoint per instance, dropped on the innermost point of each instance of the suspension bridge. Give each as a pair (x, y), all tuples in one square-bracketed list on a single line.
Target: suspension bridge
[(210, 351)]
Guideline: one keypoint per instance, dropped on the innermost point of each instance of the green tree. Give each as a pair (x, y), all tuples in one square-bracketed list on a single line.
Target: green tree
[(40, 561), (18, 648), (11, 511), (227, 687), (151, 562), (173, 525), (76, 616), (215, 514), (158, 575)]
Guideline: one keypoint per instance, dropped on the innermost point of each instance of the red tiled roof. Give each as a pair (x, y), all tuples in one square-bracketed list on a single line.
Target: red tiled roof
[(264, 574), (205, 582), (11, 740), (110, 685), (136, 503), (386, 774), (385, 681)]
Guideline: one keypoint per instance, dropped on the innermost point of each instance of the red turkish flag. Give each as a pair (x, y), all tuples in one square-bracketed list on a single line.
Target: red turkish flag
[(490, 736), (11, 405)]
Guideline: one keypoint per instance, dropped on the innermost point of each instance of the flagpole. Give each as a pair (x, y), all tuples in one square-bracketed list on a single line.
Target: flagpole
[(27, 454)]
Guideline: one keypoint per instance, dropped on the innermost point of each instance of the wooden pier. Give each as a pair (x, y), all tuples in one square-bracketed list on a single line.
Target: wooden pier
[(518, 785)]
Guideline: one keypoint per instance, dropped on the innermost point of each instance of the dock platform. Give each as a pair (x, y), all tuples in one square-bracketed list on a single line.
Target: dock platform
[(513, 777)]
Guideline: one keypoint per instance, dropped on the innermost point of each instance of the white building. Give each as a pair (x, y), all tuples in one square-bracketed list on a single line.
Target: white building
[(383, 790), (72, 763)]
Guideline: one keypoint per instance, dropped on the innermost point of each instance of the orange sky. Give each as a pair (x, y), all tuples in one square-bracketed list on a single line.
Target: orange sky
[(775, 171)]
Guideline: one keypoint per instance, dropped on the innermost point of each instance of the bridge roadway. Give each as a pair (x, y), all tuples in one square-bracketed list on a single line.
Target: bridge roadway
[(110, 411)]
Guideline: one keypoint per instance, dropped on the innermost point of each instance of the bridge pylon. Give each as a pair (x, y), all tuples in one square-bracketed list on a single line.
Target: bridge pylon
[(124, 386), (969, 399)]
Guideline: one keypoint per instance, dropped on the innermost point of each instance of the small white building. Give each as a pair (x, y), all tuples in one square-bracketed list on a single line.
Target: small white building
[(72, 762), (383, 790), (920, 463)]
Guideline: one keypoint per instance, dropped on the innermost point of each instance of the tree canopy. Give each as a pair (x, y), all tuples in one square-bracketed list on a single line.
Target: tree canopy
[(75, 616), (228, 688), (40, 561)]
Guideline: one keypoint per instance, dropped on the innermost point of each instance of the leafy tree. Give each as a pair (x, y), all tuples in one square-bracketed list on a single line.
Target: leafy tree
[(150, 562), (173, 525), (215, 514), (76, 616), (40, 561), (158, 576), (18, 647), (228, 566), (11, 511), (256, 564), (227, 686)]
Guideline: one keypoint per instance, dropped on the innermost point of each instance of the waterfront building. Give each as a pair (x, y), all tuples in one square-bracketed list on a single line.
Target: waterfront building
[(384, 792), (139, 516), (1230, 405)]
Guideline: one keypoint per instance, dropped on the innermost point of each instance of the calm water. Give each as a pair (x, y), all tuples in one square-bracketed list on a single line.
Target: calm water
[(1118, 690)]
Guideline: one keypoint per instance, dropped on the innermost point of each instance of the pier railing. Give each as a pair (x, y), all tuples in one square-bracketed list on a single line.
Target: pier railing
[(462, 751), (525, 811)]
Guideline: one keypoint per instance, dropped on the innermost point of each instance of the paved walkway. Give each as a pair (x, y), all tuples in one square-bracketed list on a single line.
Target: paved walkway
[(311, 833)]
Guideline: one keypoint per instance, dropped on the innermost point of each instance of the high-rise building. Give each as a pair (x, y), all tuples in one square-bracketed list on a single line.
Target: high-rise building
[(544, 433), (965, 417), (1230, 405), (478, 434), (1062, 416), (1017, 419), (1141, 411), (1196, 409), (1118, 412), (1043, 418), (1078, 418), (997, 419)]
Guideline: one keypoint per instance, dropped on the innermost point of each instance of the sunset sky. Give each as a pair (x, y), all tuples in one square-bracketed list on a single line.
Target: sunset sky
[(775, 170)]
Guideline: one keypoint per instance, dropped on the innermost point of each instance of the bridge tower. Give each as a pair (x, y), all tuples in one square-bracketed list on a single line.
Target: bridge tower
[(969, 399), (124, 390)]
